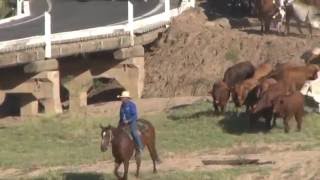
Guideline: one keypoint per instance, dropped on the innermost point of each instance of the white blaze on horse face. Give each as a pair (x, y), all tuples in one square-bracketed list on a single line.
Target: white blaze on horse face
[(104, 134)]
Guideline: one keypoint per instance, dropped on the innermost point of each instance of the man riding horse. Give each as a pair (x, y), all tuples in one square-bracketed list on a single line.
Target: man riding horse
[(128, 116)]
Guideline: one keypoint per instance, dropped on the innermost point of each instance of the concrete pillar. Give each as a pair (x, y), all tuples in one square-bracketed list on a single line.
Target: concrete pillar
[(52, 103), (130, 74), (28, 105), (78, 87), (43, 87)]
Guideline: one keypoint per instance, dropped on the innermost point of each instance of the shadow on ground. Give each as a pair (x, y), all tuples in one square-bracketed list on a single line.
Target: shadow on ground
[(238, 123), (84, 176), (207, 113)]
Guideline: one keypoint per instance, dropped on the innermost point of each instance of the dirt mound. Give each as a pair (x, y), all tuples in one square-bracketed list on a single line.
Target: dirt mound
[(194, 52)]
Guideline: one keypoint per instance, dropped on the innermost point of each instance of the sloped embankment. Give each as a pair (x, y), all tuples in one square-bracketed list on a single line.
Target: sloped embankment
[(194, 52)]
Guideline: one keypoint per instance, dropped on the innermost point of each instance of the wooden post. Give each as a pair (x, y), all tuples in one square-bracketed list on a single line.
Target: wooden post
[(47, 36)]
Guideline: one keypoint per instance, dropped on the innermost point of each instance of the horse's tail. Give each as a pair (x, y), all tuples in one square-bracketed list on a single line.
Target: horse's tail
[(152, 141)]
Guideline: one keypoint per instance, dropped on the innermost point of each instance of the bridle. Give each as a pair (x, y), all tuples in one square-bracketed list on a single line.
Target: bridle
[(110, 137)]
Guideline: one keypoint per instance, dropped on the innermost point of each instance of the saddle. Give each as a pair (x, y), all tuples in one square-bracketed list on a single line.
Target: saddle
[(142, 127)]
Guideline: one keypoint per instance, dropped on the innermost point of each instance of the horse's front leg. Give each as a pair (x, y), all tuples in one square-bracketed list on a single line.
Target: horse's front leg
[(116, 167), (126, 169), (138, 162)]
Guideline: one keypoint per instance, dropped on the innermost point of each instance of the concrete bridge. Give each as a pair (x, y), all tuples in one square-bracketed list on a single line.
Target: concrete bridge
[(36, 69)]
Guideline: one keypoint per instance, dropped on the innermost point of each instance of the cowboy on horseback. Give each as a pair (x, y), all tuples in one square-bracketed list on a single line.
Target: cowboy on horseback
[(128, 116)]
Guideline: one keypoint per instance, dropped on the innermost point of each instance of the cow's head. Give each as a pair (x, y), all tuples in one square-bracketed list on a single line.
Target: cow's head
[(312, 70), (220, 92), (278, 105)]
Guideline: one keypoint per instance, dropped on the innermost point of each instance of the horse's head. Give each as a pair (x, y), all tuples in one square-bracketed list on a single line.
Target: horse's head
[(106, 137)]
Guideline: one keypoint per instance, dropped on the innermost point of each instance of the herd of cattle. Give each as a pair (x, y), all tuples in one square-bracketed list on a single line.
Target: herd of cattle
[(266, 92), (280, 12)]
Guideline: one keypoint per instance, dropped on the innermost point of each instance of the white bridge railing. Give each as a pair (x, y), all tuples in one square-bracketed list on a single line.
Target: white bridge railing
[(128, 27)]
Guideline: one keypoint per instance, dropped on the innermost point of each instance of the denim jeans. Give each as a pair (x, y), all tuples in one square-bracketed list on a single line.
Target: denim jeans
[(135, 134)]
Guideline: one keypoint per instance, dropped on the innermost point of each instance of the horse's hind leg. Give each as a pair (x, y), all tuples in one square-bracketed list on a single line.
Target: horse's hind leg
[(153, 153), (138, 161)]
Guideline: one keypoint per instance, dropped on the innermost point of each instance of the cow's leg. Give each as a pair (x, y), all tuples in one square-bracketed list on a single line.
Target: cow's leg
[(286, 124), (299, 27), (252, 120), (299, 121), (268, 118), (262, 26), (216, 109), (287, 26), (274, 122), (222, 107), (267, 25), (310, 30)]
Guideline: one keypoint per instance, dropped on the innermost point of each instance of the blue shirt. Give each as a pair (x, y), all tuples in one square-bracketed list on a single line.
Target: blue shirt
[(128, 112)]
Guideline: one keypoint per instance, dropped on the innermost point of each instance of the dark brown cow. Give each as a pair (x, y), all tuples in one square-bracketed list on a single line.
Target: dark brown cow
[(238, 73), (220, 94), (266, 9), (234, 74), (289, 106), (242, 89)]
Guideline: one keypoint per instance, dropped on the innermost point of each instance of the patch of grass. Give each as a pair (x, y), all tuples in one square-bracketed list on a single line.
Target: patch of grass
[(51, 141), (232, 55)]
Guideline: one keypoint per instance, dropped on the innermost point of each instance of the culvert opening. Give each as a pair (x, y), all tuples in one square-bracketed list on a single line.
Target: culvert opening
[(104, 90)]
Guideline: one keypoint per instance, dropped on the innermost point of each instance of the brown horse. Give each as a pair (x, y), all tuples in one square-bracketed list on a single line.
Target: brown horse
[(123, 146)]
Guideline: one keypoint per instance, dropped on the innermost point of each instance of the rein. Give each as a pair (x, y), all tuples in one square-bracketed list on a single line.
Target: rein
[(110, 137)]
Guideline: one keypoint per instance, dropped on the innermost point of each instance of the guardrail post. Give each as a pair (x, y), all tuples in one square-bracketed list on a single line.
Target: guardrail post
[(167, 9), (19, 7), (130, 21), (192, 3), (47, 36)]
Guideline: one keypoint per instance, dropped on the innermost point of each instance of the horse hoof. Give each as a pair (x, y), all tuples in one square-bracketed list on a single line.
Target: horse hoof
[(158, 161), (155, 171)]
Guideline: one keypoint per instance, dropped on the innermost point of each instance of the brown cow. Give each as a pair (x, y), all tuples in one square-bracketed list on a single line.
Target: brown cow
[(262, 71), (295, 77), (241, 91), (264, 86), (266, 99), (266, 9), (220, 94), (253, 98), (288, 106), (279, 68)]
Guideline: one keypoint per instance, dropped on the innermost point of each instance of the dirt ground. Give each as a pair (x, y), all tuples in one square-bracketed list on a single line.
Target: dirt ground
[(287, 163), (196, 51)]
